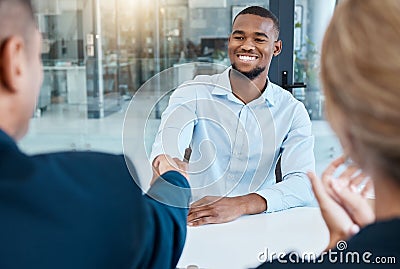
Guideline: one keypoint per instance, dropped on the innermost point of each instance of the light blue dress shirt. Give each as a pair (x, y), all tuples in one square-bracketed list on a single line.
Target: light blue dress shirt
[(235, 146)]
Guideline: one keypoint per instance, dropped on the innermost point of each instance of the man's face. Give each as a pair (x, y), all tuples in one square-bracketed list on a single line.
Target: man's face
[(252, 44)]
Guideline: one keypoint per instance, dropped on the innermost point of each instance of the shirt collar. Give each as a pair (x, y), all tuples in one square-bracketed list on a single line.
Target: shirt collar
[(223, 87), (268, 94), (223, 84)]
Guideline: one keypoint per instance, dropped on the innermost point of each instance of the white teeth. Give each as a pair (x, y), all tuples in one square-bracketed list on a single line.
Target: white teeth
[(247, 58)]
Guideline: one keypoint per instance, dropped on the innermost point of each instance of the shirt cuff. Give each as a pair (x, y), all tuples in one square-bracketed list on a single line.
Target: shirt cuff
[(273, 198)]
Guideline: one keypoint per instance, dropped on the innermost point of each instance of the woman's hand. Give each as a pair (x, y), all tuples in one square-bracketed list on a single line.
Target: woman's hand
[(343, 200)]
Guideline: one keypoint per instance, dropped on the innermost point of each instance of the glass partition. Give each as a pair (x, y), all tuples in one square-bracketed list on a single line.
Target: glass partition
[(311, 18), (62, 53)]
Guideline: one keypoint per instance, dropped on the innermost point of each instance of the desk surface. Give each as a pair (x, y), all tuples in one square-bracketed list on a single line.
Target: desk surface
[(239, 244)]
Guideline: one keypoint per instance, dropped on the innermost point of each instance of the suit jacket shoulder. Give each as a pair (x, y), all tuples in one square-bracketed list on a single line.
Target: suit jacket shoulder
[(83, 210)]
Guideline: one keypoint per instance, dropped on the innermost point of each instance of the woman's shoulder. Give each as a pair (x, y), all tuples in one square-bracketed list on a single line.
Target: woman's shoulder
[(379, 238)]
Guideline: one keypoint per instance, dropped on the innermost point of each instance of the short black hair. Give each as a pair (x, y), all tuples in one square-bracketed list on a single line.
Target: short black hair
[(262, 12)]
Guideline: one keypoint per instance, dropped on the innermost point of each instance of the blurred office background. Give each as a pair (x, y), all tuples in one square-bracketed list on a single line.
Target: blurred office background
[(98, 53)]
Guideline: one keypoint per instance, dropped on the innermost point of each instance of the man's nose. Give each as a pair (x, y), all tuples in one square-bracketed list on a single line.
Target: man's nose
[(247, 45)]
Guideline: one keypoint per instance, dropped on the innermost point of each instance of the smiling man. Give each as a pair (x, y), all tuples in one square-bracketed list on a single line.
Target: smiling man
[(238, 124)]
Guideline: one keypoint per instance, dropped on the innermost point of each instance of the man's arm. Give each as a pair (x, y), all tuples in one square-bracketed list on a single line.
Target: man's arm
[(168, 201), (213, 209), (296, 161), (177, 123)]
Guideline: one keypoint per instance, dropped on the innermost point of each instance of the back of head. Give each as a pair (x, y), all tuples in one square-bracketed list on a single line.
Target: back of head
[(360, 71), (262, 12), (16, 17)]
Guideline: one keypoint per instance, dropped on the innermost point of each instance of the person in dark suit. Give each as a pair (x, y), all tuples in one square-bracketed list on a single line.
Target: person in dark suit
[(360, 71), (74, 209)]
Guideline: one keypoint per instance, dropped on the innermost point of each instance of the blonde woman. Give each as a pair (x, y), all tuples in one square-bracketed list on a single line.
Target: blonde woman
[(361, 80)]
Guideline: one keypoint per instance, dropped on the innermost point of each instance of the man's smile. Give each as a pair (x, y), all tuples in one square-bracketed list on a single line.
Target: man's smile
[(247, 57)]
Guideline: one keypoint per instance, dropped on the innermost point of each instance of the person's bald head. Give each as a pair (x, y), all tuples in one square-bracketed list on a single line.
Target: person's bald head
[(16, 17), (21, 73)]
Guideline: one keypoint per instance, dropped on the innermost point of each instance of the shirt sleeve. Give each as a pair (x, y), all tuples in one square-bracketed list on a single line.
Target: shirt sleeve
[(296, 160), (177, 123)]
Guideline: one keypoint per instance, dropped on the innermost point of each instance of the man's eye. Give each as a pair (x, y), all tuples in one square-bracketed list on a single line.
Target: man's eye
[(259, 40), (238, 38)]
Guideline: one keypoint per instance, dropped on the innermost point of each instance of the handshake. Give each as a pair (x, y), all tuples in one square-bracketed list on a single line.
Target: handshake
[(165, 163)]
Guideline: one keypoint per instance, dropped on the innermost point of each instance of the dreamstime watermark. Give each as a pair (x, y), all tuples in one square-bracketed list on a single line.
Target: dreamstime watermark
[(340, 255)]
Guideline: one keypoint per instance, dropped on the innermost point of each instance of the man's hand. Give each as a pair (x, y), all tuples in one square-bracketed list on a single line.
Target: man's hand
[(214, 209), (164, 163), (342, 200)]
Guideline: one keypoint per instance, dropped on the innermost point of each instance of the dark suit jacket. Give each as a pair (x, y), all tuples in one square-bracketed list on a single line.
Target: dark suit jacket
[(84, 210)]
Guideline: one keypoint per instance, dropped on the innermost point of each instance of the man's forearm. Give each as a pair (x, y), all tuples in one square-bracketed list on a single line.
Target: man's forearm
[(253, 204)]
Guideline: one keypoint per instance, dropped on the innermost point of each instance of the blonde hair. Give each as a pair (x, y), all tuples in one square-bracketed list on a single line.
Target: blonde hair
[(360, 71)]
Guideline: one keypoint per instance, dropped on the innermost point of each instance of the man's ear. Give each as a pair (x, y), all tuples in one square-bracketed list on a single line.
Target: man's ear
[(12, 60), (277, 47)]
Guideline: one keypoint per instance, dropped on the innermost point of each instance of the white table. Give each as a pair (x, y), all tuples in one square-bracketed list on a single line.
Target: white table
[(240, 244)]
